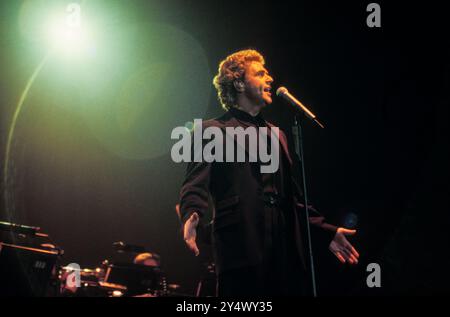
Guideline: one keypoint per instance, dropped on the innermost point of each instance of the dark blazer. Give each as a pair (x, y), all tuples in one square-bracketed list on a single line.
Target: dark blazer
[(236, 192)]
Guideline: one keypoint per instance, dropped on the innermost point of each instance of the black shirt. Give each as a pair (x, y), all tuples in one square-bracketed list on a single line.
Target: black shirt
[(277, 183), (281, 266)]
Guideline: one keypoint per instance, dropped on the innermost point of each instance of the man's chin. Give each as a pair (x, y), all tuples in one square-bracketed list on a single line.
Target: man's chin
[(263, 102), (267, 101)]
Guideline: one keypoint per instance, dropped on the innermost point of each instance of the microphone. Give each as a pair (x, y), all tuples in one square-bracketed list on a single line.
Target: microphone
[(284, 93)]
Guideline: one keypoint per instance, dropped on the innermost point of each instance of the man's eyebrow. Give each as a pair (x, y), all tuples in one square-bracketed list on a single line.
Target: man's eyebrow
[(263, 71)]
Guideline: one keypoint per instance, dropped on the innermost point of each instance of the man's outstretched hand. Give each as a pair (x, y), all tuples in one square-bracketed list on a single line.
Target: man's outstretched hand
[(340, 246), (190, 233), (342, 249)]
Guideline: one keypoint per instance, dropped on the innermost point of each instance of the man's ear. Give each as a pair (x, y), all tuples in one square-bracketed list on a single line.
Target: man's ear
[(239, 85)]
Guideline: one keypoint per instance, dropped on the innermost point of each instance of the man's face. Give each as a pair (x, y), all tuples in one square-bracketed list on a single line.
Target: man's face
[(258, 84)]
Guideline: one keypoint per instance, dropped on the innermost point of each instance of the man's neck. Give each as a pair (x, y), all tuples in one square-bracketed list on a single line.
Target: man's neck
[(251, 109)]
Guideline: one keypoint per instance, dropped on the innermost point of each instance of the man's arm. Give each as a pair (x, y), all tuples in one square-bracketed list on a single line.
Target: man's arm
[(194, 192), (327, 234), (315, 218), (194, 195)]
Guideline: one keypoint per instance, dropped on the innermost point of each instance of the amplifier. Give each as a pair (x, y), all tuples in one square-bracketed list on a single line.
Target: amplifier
[(25, 271)]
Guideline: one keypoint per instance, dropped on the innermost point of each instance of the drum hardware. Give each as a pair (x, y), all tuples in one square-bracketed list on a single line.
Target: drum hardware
[(29, 266)]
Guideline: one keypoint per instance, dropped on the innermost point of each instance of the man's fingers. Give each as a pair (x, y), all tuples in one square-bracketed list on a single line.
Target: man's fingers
[(339, 256), (349, 256), (347, 232), (195, 249), (355, 256), (346, 252), (351, 249), (354, 252), (354, 259), (192, 245)]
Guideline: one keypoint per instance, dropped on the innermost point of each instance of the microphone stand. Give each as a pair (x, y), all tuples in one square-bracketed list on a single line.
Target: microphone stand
[(298, 142)]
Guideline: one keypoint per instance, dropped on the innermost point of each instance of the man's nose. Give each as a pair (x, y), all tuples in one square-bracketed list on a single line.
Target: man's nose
[(269, 79)]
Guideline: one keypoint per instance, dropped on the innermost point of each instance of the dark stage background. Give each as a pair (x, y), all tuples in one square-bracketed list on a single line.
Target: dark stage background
[(381, 92)]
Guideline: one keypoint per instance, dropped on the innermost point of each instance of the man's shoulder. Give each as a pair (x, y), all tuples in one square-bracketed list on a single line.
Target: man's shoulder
[(227, 120), (220, 121)]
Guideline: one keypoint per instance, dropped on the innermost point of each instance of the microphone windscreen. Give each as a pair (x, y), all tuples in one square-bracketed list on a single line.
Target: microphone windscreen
[(281, 91)]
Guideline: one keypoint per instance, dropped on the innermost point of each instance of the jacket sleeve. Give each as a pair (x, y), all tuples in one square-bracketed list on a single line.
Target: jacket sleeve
[(194, 191), (321, 231)]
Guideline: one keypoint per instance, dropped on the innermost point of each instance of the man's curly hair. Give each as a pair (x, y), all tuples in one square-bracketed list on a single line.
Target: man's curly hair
[(231, 69)]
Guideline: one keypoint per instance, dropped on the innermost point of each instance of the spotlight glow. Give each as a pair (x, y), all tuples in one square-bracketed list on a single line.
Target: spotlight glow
[(69, 39)]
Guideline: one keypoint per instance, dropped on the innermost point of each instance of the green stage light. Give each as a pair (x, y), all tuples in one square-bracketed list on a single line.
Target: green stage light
[(57, 26), (68, 40)]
